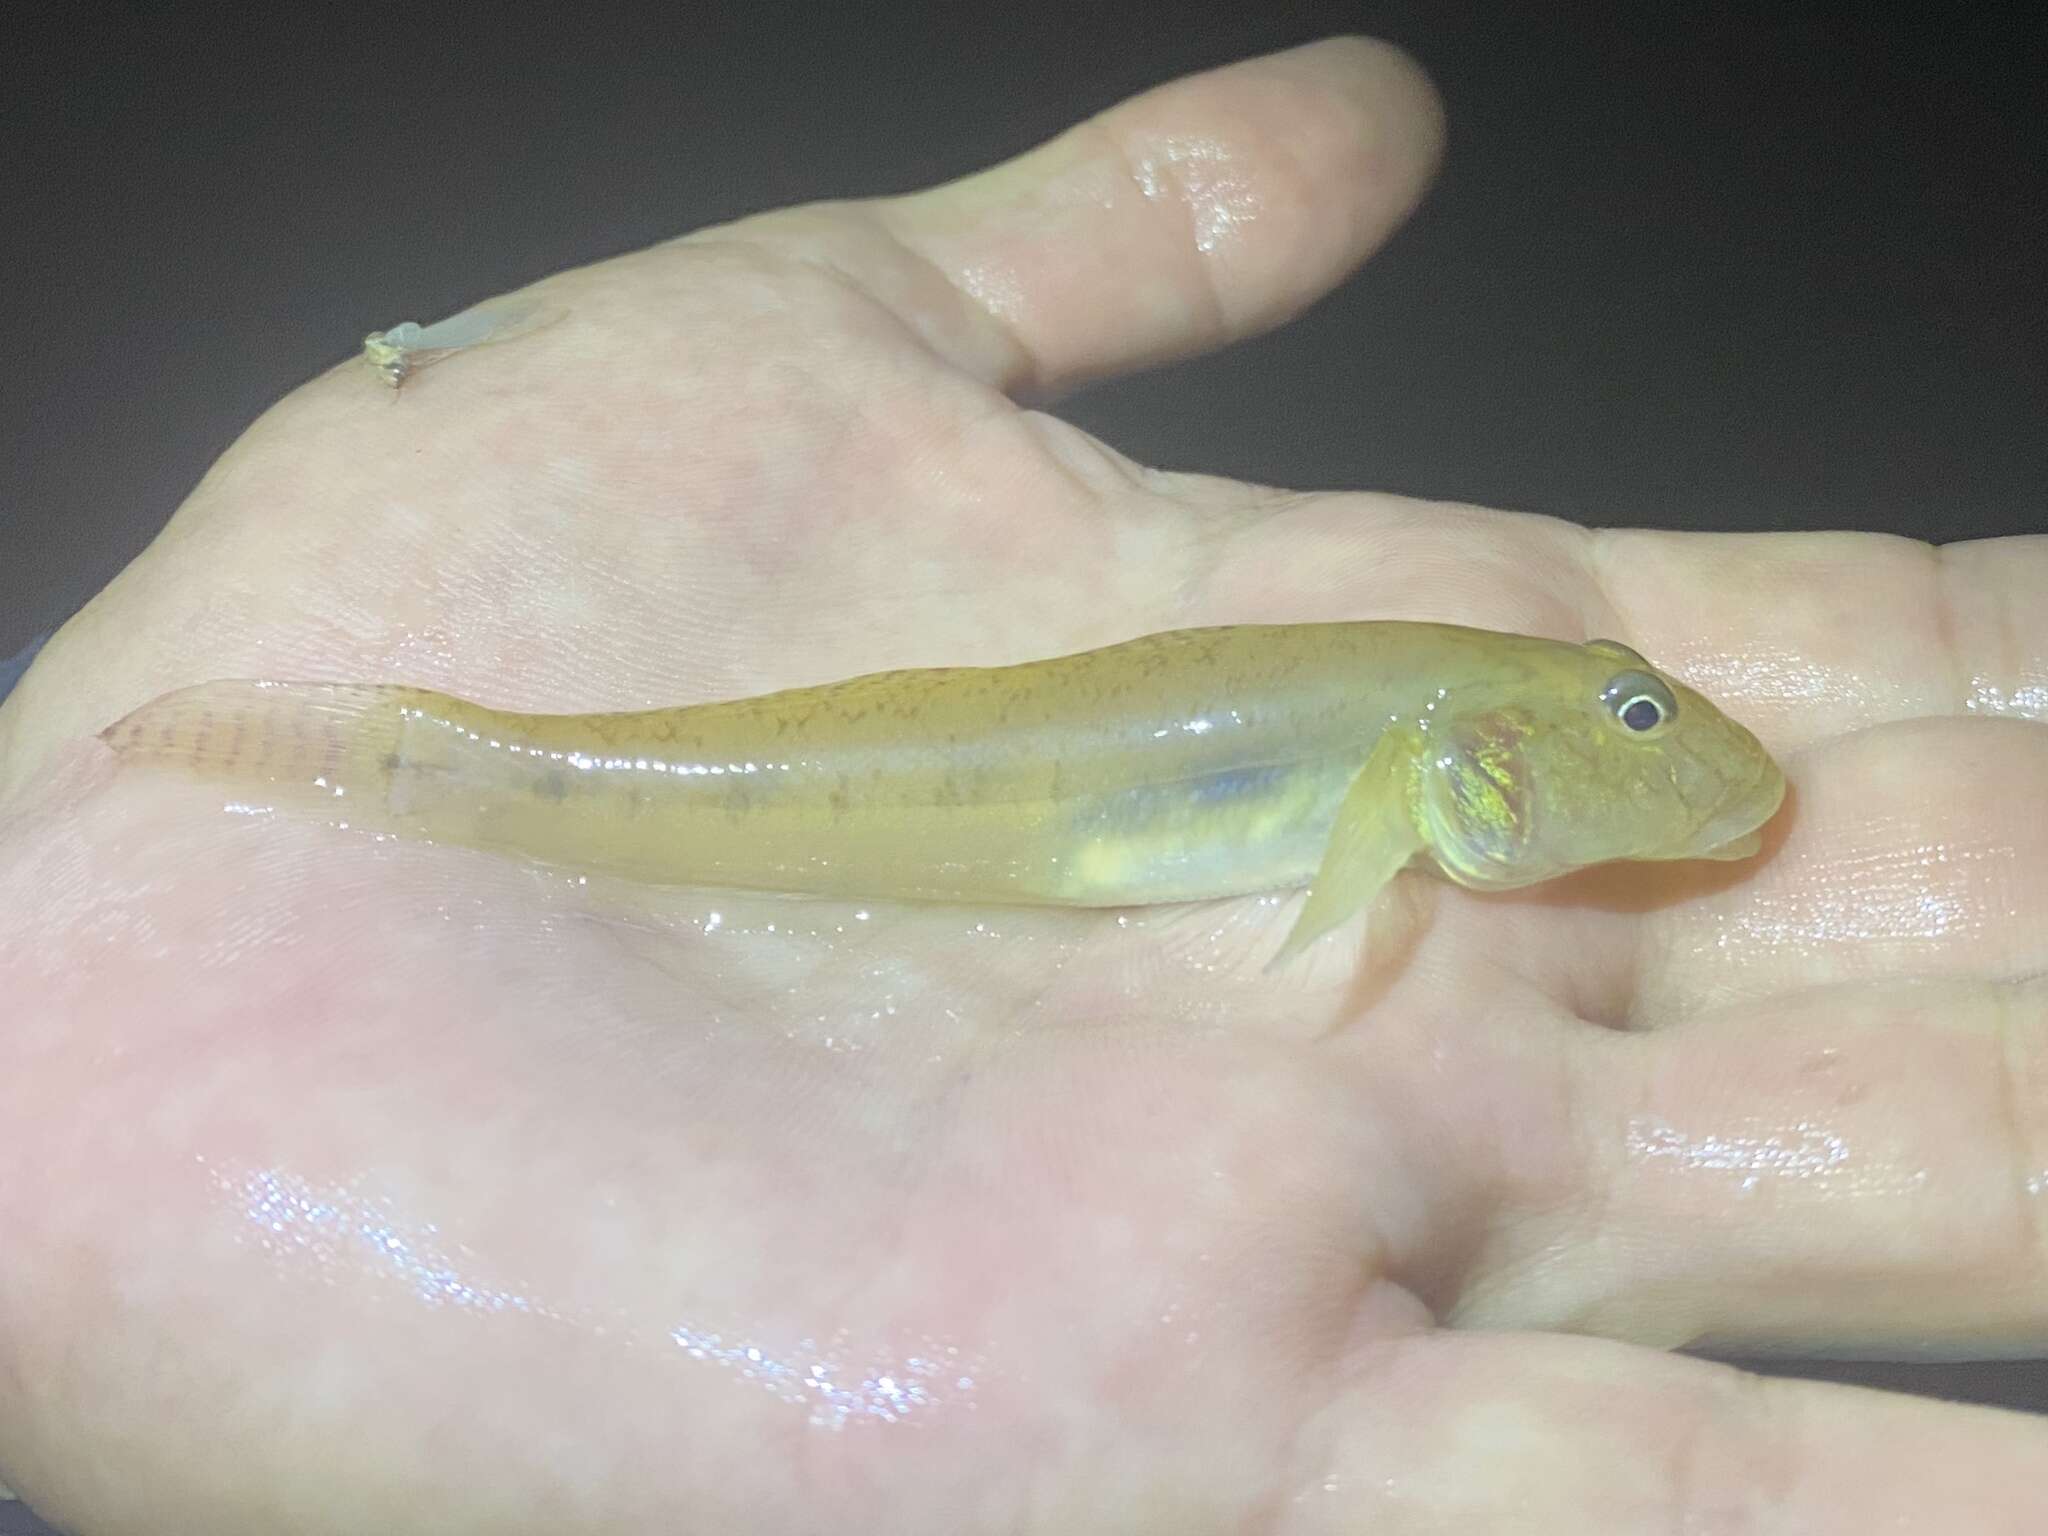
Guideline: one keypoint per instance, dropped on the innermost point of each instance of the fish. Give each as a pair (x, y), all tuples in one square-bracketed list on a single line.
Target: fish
[(1180, 766), (396, 354)]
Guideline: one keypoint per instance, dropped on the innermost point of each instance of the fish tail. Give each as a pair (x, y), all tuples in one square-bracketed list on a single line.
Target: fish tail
[(320, 736)]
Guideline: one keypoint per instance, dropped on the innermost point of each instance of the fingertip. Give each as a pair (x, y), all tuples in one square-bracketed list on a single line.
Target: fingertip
[(1398, 113), (1351, 132)]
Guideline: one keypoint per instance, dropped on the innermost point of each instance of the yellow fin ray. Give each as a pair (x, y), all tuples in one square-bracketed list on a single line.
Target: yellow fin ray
[(1373, 836)]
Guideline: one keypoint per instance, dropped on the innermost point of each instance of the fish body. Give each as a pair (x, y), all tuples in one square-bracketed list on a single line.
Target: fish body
[(1178, 766)]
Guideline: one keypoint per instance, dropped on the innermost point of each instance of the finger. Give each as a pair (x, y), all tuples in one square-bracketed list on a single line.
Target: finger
[(1856, 1168), (1800, 636), (1203, 211), (1456, 1432), (1810, 635), (1911, 850)]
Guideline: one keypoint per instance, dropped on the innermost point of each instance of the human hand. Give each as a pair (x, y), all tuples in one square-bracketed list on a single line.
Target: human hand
[(351, 1185)]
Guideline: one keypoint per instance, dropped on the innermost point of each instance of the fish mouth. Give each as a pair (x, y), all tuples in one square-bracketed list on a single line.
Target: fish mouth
[(1735, 831)]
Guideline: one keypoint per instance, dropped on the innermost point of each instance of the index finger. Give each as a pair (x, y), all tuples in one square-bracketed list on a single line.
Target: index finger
[(1799, 636), (1807, 636)]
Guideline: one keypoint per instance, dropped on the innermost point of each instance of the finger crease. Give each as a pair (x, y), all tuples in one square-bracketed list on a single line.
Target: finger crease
[(1148, 185), (2029, 1162)]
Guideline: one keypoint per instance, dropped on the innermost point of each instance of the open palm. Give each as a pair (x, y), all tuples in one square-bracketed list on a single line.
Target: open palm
[(352, 1185)]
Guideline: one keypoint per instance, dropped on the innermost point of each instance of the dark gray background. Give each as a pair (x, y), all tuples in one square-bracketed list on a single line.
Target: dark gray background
[(1738, 269)]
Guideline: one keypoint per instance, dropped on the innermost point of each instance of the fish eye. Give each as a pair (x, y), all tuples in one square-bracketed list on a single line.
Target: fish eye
[(1641, 714), (1639, 701)]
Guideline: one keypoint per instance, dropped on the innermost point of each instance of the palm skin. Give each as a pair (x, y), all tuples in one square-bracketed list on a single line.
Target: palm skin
[(352, 1185)]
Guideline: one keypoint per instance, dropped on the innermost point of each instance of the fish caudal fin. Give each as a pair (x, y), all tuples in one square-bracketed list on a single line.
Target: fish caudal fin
[(316, 736)]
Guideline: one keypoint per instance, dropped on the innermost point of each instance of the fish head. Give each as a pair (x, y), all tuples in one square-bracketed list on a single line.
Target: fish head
[(1587, 755)]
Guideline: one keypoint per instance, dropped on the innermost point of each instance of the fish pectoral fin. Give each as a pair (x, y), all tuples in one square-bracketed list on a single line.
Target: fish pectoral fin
[(1373, 836)]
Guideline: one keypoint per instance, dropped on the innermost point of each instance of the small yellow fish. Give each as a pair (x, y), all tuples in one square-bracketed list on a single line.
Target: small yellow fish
[(1177, 767)]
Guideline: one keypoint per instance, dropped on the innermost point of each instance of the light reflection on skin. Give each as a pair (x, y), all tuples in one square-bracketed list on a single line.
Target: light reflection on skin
[(1803, 1151), (2029, 700), (327, 1229), (1923, 893), (1209, 180), (1806, 1152), (1787, 680), (342, 1227), (834, 1395), (1776, 677)]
